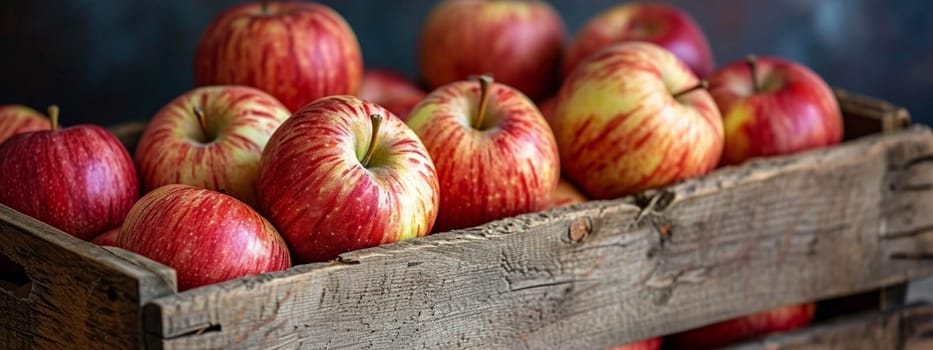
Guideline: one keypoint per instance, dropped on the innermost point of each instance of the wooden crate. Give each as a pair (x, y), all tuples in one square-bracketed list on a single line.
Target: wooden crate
[(779, 231)]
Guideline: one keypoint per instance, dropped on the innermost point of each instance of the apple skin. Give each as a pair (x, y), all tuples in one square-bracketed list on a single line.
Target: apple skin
[(224, 156), (795, 110), (660, 24), (206, 236), (508, 166), (744, 328), (78, 179), (108, 238), (315, 189), (16, 119), (646, 344), (565, 194), (390, 90), (547, 107), (519, 43), (295, 51), (620, 130)]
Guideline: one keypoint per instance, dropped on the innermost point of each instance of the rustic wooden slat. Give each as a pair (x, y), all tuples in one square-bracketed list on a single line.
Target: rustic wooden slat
[(901, 328), (744, 239), (82, 296), (866, 115)]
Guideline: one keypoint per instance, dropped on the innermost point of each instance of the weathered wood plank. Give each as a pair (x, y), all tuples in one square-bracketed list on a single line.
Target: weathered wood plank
[(774, 232), (866, 115), (82, 296), (900, 328)]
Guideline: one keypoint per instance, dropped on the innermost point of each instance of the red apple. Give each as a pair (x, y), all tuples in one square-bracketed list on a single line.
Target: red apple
[(206, 236), (633, 117), (495, 154), (646, 344), (15, 119), (782, 108), (517, 42), (210, 137), (659, 24), (108, 238), (744, 328), (78, 179), (296, 51), (546, 107), (565, 194), (390, 90), (345, 174)]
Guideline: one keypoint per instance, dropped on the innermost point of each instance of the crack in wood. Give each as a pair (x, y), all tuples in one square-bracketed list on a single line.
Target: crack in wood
[(909, 233)]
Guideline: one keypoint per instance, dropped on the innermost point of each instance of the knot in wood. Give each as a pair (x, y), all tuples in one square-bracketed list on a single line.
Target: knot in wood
[(580, 228)]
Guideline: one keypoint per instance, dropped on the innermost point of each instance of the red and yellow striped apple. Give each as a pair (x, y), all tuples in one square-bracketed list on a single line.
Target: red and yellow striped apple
[(772, 106), (646, 344), (495, 155), (296, 51), (15, 119), (345, 174), (79, 179), (633, 117), (206, 236), (519, 43), (744, 328), (565, 194), (660, 24), (210, 137), (390, 90)]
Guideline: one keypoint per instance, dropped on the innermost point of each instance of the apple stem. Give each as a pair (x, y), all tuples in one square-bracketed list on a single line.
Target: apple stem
[(701, 85), (485, 81), (53, 116), (202, 121), (376, 119), (750, 60), (265, 7)]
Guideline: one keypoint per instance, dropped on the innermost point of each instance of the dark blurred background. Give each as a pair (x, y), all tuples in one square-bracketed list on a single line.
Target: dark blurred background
[(110, 61)]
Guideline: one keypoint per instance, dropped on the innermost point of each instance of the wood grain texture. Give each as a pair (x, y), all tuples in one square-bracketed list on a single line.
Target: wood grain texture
[(743, 239), (906, 328), (82, 296)]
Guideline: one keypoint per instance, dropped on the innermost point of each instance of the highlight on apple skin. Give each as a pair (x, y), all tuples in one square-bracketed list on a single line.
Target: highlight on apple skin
[(495, 154), (79, 179), (660, 24), (645, 344), (783, 109), (206, 236), (633, 117), (210, 137), (16, 119), (344, 174), (519, 43), (295, 51)]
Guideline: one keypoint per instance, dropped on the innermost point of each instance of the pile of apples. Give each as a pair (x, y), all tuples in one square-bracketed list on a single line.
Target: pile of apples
[(289, 152)]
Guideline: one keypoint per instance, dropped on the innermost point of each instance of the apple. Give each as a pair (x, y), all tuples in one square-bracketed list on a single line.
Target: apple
[(345, 174), (646, 344), (773, 106), (744, 328), (495, 154), (16, 119), (565, 194), (296, 51), (390, 90), (78, 179), (210, 137), (546, 107), (519, 43), (108, 238), (660, 24), (206, 236), (633, 117)]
